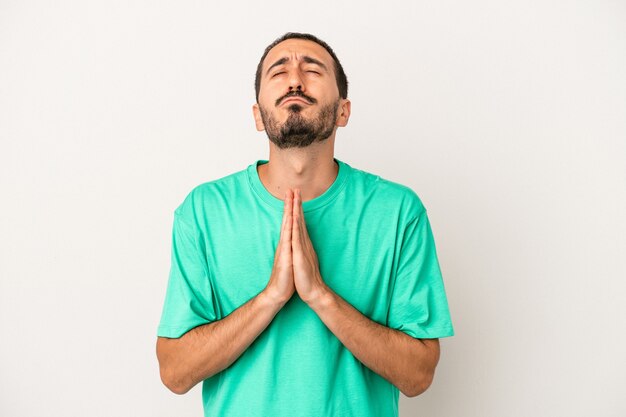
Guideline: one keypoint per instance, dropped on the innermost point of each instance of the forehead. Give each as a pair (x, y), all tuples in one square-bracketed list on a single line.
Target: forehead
[(296, 48)]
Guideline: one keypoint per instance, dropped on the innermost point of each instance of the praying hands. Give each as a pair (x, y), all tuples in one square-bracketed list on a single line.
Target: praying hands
[(296, 266)]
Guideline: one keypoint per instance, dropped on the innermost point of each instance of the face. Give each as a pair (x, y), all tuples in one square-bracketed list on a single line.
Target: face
[(299, 101)]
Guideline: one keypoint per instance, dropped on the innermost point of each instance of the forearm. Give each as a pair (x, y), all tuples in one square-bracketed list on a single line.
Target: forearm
[(208, 349), (401, 359)]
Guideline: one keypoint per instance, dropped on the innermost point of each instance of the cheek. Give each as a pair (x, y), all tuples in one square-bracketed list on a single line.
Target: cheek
[(268, 102), (269, 92), (324, 93)]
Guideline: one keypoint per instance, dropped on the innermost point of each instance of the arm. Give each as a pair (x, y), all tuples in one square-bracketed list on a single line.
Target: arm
[(208, 349), (405, 361)]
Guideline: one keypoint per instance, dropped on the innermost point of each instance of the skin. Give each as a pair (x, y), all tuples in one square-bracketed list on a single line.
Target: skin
[(301, 174), (311, 169), (296, 174)]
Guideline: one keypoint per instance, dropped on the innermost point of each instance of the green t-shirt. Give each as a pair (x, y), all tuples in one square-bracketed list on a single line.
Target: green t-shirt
[(376, 250)]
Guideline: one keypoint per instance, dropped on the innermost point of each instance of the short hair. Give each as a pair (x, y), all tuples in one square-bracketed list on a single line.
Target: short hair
[(340, 75)]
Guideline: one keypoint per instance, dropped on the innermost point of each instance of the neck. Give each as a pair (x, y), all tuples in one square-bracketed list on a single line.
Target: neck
[(311, 169)]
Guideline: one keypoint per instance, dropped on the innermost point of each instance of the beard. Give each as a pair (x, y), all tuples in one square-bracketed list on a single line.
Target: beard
[(298, 131)]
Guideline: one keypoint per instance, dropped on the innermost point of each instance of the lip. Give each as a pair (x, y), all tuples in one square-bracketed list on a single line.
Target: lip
[(295, 99)]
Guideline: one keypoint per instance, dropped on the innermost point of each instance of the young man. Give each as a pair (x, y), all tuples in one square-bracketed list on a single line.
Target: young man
[(301, 286)]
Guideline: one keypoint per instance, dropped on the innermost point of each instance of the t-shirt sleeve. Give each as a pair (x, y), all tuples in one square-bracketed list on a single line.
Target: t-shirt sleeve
[(419, 306), (189, 298)]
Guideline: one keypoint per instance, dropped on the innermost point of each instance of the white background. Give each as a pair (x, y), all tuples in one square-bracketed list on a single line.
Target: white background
[(507, 118)]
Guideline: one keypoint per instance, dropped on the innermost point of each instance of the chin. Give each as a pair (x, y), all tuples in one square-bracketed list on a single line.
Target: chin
[(296, 108)]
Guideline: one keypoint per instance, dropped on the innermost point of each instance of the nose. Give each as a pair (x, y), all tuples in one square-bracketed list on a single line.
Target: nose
[(295, 81)]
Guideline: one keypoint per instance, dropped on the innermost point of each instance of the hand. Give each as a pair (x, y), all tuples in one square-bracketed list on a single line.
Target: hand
[(306, 272), (281, 284)]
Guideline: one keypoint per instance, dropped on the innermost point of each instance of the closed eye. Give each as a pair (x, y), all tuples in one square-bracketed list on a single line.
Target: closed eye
[(278, 73)]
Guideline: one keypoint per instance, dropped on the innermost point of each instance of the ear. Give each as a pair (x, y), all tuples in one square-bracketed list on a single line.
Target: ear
[(344, 113), (258, 121)]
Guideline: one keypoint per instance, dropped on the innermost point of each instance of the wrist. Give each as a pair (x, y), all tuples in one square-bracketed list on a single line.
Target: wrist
[(268, 297), (322, 297)]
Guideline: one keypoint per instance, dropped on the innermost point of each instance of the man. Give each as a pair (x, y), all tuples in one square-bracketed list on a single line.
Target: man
[(301, 286)]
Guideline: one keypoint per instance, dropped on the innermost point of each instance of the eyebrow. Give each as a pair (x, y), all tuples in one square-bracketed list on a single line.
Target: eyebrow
[(305, 58)]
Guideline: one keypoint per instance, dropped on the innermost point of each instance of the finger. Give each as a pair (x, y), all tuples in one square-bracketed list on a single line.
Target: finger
[(285, 212), (287, 226), (295, 204), (302, 224), (289, 210), (296, 222)]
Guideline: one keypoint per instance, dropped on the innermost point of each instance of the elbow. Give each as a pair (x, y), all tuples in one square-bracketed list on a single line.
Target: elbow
[(172, 383), (177, 389), (422, 378), (414, 391), (175, 384), (168, 371), (420, 386)]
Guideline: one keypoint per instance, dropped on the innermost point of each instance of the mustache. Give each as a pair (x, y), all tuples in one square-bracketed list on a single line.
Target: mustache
[(300, 94)]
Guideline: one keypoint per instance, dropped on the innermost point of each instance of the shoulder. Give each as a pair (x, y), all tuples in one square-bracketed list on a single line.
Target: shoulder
[(203, 196), (393, 194)]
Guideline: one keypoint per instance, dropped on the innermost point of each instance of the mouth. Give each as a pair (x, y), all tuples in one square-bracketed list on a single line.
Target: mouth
[(290, 99)]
